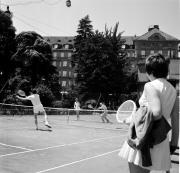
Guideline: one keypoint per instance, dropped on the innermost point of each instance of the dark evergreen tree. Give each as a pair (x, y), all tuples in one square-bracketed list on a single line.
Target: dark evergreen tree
[(33, 67), (7, 49), (85, 31), (99, 61)]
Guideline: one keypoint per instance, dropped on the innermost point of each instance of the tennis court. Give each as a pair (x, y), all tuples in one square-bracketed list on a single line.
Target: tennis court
[(83, 146)]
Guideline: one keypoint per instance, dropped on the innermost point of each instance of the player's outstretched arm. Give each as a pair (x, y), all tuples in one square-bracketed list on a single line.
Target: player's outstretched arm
[(22, 98)]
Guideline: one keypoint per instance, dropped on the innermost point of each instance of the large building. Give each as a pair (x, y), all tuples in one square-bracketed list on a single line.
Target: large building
[(156, 41), (137, 47), (62, 48)]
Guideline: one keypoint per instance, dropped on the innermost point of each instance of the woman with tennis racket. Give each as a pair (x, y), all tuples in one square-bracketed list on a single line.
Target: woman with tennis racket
[(37, 106), (161, 98)]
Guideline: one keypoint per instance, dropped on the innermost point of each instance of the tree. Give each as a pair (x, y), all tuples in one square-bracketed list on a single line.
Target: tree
[(99, 61), (85, 30), (117, 61), (7, 47), (33, 68), (33, 57)]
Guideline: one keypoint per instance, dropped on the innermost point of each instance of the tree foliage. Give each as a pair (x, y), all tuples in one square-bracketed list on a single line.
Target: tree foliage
[(7, 46), (99, 61), (33, 57)]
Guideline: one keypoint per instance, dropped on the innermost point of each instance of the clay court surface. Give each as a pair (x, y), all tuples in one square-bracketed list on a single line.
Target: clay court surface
[(85, 146)]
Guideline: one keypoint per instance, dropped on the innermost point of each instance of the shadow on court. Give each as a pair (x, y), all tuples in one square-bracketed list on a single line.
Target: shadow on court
[(45, 130)]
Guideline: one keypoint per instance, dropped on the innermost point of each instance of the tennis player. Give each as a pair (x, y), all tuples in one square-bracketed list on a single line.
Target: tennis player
[(37, 107), (104, 114), (77, 107)]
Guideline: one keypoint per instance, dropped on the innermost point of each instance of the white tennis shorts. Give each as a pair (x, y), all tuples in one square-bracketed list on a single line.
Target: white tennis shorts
[(38, 108)]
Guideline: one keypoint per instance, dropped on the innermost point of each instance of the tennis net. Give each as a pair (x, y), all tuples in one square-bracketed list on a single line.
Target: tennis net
[(65, 114)]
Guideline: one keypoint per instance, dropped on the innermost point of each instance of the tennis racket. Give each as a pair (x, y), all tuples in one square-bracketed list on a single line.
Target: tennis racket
[(21, 93), (125, 112)]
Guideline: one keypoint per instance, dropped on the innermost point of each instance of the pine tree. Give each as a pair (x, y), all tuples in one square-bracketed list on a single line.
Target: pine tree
[(85, 31), (99, 61)]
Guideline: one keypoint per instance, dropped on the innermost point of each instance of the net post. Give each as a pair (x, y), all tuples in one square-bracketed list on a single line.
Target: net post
[(68, 116)]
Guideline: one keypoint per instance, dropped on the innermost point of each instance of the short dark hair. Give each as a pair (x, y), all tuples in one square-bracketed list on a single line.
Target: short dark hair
[(34, 91), (157, 65)]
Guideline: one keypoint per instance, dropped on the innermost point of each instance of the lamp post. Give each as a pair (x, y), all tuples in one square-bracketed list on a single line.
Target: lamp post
[(110, 100), (68, 3), (62, 93)]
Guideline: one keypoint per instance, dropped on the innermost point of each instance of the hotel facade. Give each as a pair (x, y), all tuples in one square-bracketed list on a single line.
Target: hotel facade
[(137, 47)]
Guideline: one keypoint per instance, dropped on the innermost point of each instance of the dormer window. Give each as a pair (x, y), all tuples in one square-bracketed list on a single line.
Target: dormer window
[(55, 46), (66, 46), (156, 37)]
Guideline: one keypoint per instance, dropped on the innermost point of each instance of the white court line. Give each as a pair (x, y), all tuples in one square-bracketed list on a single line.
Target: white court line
[(13, 146), (78, 161), (63, 145)]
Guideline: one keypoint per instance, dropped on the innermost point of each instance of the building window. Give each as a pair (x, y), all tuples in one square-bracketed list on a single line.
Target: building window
[(63, 83), (133, 54), (152, 52), (64, 63), (62, 54), (66, 46), (54, 63), (55, 55), (64, 73), (55, 46), (75, 75), (60, 64), (69, 54), (143, 53), (160, 51), (70, 46), (170, 53), (69, 73)]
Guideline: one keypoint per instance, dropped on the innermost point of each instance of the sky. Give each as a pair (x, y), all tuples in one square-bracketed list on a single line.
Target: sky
[(54, 18)]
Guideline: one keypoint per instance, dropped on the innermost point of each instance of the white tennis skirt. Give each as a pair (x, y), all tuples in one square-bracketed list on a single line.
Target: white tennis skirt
[(160, 156), (38, 109)]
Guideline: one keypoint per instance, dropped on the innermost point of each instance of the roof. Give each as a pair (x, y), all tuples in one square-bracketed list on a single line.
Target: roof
[(150, 33), (60, 39), (128, 39), (65, 39)]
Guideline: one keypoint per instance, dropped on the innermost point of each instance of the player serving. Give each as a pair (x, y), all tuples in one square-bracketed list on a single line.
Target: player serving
[(37, 106)]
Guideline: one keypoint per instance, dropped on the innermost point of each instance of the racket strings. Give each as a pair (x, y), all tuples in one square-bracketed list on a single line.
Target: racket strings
[(125, 111)]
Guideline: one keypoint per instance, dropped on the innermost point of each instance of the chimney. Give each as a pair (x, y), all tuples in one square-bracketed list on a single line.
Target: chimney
[(156, 26), (153, 27)]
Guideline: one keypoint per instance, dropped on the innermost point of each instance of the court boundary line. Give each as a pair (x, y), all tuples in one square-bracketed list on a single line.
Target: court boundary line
[(77, 125), (78, 161), (62, 145), (13, 146), (101, 128)]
